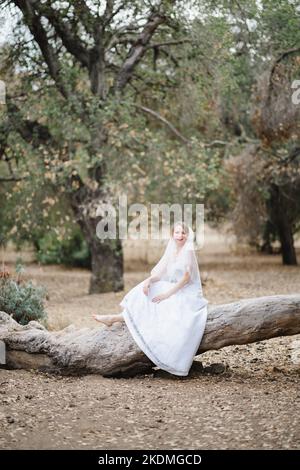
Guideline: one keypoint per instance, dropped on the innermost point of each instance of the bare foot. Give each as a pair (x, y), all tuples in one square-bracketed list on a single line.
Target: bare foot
[(106, 319)]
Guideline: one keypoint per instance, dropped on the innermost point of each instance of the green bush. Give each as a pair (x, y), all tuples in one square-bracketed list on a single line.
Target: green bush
[(23, 301), (70, 252)]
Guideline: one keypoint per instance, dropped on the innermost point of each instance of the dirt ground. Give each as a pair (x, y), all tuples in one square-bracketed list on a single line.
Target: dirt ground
[(254, 403)]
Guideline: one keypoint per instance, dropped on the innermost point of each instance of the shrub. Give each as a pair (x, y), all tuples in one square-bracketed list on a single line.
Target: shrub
[(70, 252), (23, 301)]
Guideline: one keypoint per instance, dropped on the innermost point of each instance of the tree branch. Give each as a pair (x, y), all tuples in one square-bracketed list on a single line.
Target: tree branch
[(69, 39), (113, 352), (33, 21), (165, 121), (168, 43), (137, 50), (277, 61), (11, 178), (109, 13), (84, 14)]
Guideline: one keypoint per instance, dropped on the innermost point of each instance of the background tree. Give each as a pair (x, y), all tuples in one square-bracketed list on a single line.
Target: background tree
[(78, 60), (83, 142), (262, 122)]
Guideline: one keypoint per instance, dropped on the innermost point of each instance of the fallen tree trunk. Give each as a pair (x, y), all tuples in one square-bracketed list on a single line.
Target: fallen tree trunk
[(113, 352)]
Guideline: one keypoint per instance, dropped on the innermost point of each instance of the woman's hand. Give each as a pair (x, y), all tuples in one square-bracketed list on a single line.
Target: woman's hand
[(146, 287), (160, 297)]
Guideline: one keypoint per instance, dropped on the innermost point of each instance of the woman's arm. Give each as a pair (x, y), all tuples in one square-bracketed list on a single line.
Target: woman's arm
[(183, 281), (149, 280), (152, 278)]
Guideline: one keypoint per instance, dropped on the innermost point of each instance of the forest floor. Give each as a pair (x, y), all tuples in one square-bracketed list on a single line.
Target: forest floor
[(254, 403)]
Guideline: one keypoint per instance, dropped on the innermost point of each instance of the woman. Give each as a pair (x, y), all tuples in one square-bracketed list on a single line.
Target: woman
[(166, 314)]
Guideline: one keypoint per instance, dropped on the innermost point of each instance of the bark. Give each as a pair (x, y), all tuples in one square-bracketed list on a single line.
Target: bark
[(106, 255), (113, 352), (282, 222)]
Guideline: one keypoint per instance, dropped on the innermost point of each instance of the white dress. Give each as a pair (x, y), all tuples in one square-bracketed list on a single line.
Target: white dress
[(168, 332)]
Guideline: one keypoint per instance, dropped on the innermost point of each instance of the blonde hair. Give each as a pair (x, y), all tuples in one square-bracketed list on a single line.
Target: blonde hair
[(183, 225)]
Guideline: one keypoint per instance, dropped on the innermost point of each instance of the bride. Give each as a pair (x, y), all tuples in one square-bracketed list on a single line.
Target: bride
[(166, 314)]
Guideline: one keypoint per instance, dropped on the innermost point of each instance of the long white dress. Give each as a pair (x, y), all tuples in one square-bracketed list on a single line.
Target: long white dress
[(168, 332)]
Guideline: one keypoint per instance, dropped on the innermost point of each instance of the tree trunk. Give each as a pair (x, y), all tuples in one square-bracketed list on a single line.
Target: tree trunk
[(266, 246), (107, 266), (107, 255), (286, 240), (113, 352), (281, 220)]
